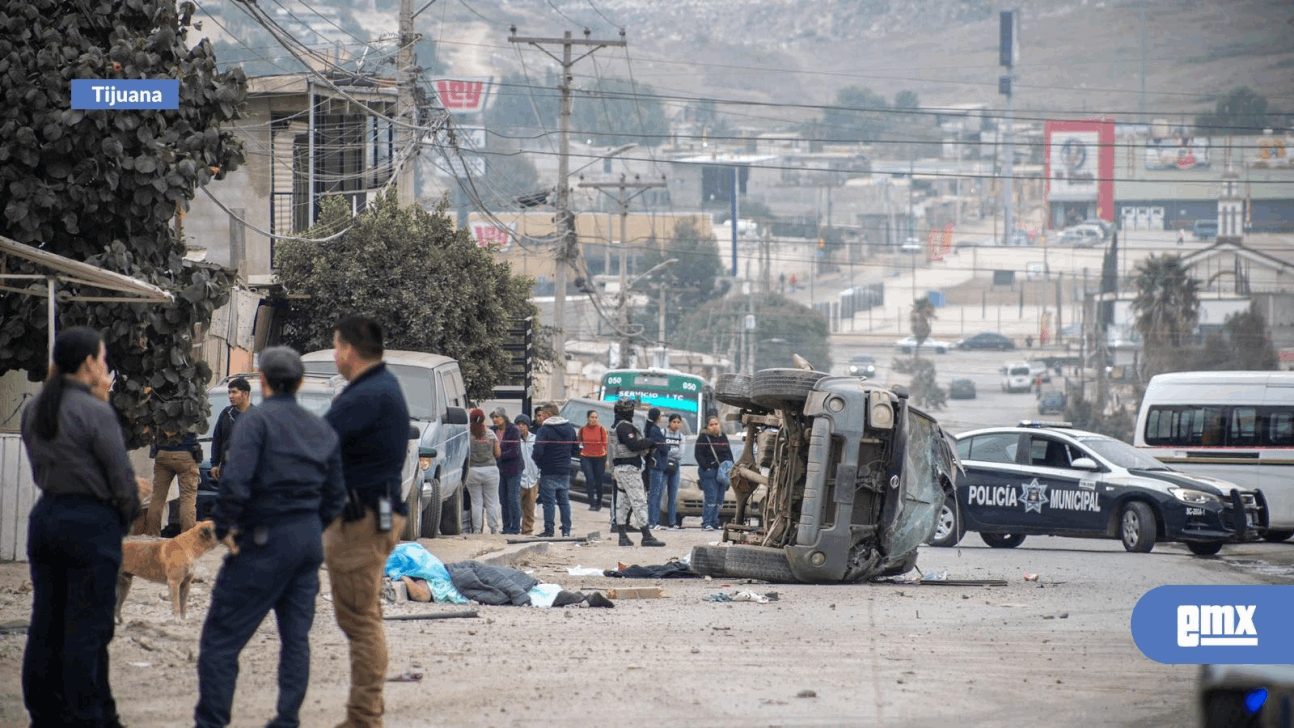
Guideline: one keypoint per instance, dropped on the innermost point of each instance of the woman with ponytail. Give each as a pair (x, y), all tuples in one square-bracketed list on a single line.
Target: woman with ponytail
[(88, 500), (482, 482)]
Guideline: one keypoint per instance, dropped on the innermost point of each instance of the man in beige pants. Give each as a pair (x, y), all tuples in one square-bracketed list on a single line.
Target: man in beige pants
[(372, 421), (174, 459)]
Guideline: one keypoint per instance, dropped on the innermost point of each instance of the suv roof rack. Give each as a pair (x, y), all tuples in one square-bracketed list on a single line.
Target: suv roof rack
[(1039, 424)]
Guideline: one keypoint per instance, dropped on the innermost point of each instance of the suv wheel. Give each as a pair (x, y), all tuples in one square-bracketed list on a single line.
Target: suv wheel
[(734, 389), (431, 511), (451, 515), (413, 524), (783, 388), (1137, 527), (758, 562), (949, 528)]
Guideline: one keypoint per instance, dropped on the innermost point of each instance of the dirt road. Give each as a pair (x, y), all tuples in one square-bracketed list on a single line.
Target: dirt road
[(1056, 652)]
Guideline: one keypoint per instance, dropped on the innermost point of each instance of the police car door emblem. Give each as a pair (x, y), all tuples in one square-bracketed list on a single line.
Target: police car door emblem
[(1033, 495)]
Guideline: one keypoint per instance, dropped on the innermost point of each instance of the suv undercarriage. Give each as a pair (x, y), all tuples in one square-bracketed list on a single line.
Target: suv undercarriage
[(856, 476)]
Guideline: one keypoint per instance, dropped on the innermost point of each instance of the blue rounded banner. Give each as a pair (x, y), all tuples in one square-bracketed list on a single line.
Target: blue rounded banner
[(1219, 625)]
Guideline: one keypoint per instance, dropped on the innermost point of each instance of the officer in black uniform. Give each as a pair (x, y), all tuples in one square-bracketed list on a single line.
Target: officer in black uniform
[(281, 486)]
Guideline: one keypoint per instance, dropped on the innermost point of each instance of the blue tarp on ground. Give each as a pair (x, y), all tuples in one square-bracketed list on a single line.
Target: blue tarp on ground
[(411, 559)]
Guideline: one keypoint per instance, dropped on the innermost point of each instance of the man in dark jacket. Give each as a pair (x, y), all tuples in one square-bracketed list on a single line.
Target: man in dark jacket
[(555, 446), (240, 400), (511, 466), (627, 446), (283, 484), (372, 421)]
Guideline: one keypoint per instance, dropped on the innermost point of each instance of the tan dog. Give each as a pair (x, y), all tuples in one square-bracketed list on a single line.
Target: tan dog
[(165, 561)]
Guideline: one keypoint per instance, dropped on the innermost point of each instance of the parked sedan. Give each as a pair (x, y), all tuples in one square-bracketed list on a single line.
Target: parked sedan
[(1047, 479), (691, 500), (961, 389), (986, 340), (908, 343)]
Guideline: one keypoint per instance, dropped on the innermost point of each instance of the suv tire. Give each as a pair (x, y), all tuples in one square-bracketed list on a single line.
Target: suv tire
[(734, 390), (709, 560), (758, 562), (431, 511), (1137, 527), (783, 388), (451, 515), (413, 522), (1277, 536)]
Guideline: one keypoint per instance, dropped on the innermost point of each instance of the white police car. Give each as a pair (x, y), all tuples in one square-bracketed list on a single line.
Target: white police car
[(1045, 478)]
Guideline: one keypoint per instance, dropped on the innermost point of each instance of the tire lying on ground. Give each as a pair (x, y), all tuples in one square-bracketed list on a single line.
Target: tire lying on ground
[(709, 560), (782, 388)]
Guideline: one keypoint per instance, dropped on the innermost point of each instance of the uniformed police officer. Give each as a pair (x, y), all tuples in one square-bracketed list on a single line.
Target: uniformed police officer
[(281, 486), (627, 448)]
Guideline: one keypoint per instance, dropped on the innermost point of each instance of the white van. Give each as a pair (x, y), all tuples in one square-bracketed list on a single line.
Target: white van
[(437, 398), (1017, 376), (1235, 426)]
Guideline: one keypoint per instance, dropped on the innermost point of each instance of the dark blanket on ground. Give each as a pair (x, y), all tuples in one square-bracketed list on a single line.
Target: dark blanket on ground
[(488, 584), (672, 570)]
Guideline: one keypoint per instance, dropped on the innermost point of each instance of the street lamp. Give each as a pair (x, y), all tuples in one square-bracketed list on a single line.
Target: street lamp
[(623, 305)]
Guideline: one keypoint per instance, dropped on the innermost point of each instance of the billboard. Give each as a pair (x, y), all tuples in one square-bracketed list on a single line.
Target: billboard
[(462, 95), (491, 236), (1177, 153), (1079, 163), (1268, 151)]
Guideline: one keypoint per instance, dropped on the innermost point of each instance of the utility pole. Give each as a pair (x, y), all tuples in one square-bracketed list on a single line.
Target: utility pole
[(568, 248), (1009, 55), (406, 103), (623, 198)]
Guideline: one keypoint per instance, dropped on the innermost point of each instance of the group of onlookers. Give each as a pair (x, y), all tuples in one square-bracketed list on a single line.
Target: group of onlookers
[(511, 468)]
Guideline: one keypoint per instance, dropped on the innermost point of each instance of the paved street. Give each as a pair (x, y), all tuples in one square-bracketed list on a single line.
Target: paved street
[(1056, 652)]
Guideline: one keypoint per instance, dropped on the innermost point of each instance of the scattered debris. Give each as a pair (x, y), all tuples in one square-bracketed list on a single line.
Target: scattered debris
[(584, 571), (553, 539), (806, 694), (639, 592), (1031, 577), (15, 626), (140, 664), (470, 613), (741, 596), (406, 677), (1062, 615)]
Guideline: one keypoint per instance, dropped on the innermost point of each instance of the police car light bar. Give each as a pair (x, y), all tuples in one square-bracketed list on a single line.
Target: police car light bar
[(1044, 423)]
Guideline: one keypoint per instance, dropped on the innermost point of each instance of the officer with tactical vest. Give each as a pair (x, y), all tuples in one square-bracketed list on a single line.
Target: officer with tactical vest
[(627, 449)]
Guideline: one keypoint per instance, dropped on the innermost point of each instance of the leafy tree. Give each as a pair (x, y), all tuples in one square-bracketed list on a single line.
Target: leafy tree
[(104, 187), (907, 99), (749, 210), (1166, 310), (923, 312), (1242, 345), (1240, 111), (1083, 415), (616, 111), (859, 113), (696, 278), (783, 328), (429, 285)]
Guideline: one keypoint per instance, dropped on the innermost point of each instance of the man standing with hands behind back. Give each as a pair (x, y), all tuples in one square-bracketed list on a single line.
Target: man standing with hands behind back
[(372, 420)]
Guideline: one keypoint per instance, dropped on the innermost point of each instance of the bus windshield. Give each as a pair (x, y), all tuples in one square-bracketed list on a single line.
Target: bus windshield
[(672, 392)]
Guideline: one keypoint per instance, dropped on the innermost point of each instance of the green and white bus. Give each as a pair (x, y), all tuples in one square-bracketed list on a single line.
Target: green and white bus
[(670, 390)]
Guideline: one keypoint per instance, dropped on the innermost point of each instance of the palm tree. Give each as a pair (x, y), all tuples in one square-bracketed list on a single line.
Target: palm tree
[(923, 312), (1167, 308)]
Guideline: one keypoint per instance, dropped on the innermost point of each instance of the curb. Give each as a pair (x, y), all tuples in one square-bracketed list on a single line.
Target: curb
[(514, 554)]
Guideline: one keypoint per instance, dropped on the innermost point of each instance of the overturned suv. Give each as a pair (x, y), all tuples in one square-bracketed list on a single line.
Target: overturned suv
[(855, 479)]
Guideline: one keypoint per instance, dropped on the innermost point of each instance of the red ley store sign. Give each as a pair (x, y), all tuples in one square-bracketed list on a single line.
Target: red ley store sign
[(463, 96)]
